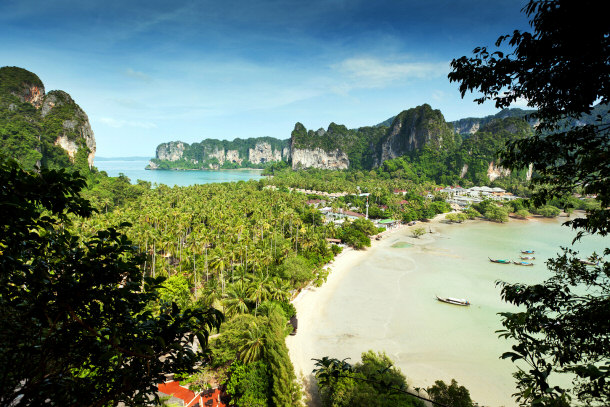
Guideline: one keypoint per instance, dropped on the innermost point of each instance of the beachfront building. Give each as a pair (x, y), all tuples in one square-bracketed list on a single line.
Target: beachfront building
[(387, 223), (339, 216), (464, 197)]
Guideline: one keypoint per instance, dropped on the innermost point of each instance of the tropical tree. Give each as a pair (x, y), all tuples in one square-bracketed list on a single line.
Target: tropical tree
[(452, 395), (253, 348), (236, 299), (561, 69), (76, 326)]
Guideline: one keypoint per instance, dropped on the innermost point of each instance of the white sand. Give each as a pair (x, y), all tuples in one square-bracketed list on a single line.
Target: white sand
[(311, 302)]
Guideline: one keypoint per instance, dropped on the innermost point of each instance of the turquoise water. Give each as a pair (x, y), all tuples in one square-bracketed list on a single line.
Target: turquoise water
[(387, 302), (134, 169)]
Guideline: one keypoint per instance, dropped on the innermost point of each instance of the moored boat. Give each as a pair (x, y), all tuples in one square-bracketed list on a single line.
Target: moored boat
[(454, 301), (500, 261), (522, 263), (527, 257), (527, 251)]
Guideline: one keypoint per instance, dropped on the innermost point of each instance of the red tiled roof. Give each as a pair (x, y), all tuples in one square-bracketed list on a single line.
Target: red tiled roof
[(189, 397)]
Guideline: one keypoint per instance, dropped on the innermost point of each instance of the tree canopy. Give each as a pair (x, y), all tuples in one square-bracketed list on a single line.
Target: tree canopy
[(561, 69), (77, 325)]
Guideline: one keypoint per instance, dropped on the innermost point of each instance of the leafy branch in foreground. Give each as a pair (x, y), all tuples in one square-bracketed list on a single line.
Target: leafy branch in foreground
[(561, 69), (79, 325)]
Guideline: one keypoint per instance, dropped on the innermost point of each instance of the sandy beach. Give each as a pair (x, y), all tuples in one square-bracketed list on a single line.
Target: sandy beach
[(311, 302), (383, 299)]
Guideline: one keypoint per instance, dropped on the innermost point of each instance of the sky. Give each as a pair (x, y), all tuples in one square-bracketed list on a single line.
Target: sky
[(148, 72)]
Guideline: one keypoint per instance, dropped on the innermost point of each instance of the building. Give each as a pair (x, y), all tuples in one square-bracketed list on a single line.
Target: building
[(184, 397)]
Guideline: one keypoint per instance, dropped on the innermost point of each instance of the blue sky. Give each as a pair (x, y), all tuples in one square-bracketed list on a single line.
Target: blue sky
[(152, 71)]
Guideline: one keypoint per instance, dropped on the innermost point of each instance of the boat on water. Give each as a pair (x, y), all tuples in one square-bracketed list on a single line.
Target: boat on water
[(527, 257), (454, 301), (528, 251), (522, 263), (588, 262), (500, 261)]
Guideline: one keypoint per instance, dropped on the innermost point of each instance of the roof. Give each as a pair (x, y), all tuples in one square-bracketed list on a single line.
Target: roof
[(352, 213), (384, 221), (189, 397)]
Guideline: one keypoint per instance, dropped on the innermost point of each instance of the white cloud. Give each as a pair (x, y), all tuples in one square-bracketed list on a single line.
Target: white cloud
[(438, 95), (110, 122), (369, 72), (137, 75)]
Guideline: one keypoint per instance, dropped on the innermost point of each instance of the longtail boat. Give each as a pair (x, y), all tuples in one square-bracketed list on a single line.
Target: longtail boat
[(522, 263), (528, 251), (500, 261), (527, 257), (454, 301)]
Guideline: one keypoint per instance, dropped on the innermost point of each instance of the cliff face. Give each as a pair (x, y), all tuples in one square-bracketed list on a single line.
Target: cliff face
[(318, 158), (54, 133), (412, 130), (214, 154), (263, 153), (171, 151), (76, 131), (420, 133), (471, 125), (367, 147)]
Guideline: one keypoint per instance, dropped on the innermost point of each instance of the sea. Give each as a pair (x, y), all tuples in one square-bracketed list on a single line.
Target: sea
[(388, 303), (133, 167)]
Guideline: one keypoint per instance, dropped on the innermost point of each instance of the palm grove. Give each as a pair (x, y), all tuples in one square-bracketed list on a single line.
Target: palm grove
[(102, 296)]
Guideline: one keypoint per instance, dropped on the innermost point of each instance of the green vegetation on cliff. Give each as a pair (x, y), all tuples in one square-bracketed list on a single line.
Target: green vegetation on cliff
[(359, 144), (225, 154), (419, 145), (34, 125)]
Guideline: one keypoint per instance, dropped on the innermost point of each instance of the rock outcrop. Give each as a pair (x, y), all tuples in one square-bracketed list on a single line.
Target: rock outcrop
[(172, 151), (214, 154), (263, 153), (76, 131), (412, 130), (495, 171), (471, 125), (318, 158), (58, 123)]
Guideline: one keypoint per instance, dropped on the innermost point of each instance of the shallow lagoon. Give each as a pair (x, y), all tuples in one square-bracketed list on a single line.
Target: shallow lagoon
[(387, 302)]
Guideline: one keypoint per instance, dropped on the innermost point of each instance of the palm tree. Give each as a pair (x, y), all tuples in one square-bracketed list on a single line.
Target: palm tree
[(259, 290), (253, 348), (219, 263), (235, 301)]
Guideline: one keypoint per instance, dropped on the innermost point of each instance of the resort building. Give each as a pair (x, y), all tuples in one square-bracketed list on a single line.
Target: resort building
[(467, 196)]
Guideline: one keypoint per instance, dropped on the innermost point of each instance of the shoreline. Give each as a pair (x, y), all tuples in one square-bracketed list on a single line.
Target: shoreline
[(309, 302), (315, 304)]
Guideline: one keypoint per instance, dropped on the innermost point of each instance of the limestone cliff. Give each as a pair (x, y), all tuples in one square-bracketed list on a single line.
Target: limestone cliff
[(75, 132), (171, 151), (318, 158), (53, 131), (412, 130), (263, 153), (471, 125), (495, 171), (214, 154)]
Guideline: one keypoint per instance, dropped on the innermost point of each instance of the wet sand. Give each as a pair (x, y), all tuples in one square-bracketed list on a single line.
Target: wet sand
[(313, 303), (382, 299)]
